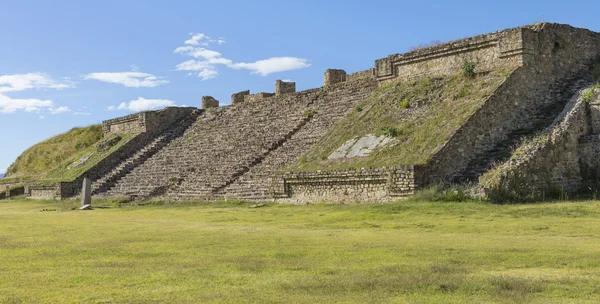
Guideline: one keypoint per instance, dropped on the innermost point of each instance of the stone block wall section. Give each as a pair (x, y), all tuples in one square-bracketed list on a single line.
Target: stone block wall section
[(333, 76), (366, 74), (209, 102), (360, 185), (512, 47), (558, 58), (258, 97), (550, 162), (284, 87), (238, 98), (147, 121)]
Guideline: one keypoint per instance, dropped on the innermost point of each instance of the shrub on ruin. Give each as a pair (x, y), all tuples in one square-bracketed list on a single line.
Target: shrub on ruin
[(468, 68), (389, 131)]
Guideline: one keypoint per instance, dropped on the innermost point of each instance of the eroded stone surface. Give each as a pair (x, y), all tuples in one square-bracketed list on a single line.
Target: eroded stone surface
[(361, 147)]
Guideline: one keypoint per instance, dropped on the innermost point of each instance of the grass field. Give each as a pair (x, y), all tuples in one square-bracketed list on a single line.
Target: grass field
[(405, 252)]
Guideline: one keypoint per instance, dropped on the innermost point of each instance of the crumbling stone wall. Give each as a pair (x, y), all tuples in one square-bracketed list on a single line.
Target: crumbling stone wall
[(355, 185)]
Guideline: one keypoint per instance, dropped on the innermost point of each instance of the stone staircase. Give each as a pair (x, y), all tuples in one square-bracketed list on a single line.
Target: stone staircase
[(229, 149), (502, 151), (104, 183), (262, 181)]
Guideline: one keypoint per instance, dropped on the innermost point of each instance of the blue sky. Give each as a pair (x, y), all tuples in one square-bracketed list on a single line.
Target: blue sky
[(74, 63)]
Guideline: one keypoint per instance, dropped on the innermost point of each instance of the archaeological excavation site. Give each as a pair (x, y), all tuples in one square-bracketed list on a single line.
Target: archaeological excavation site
[(514, 114)]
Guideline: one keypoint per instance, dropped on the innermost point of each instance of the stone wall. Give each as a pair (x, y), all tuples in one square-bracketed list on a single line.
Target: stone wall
[(355, 185), (148, 121), (512, 47), (44, 191), (258, 97), (549, 163), (366, 74), (134, 123), (558, 60)]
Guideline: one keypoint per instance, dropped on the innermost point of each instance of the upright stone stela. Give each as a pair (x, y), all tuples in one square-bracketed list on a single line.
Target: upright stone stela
[(86, 194), (7, 195)]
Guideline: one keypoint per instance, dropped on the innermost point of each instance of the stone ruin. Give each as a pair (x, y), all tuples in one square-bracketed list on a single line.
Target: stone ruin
[(242, 151)]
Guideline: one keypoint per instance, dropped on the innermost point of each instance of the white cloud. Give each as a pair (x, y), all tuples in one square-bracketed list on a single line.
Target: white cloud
[(82, 113), (143, 104), (59, 110), (273, 65), (128, 79), (198, 39), (11, 105), (22, 82), (206, 61)]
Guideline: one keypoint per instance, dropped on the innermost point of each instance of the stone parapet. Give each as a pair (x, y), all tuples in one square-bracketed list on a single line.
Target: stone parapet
[(364, 184), (148, 121)]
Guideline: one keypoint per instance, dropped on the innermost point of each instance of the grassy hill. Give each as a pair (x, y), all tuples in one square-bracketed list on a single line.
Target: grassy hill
[(44, 156), (420, 114)]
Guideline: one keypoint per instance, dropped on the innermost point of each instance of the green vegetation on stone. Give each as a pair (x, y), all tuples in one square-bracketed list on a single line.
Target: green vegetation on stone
[(403, 252), (438, 107), (78, 145), (66, 171), (468, 68), (42, 157)]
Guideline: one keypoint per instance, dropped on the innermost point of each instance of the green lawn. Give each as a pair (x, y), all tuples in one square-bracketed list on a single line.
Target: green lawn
[(405, 252)]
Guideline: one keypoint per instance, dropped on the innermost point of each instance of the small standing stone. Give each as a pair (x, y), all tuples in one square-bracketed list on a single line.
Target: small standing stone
[(86, 194), (7, 195)]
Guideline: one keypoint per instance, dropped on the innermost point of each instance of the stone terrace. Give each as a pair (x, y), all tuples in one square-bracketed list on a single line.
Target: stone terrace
[(231, 149)]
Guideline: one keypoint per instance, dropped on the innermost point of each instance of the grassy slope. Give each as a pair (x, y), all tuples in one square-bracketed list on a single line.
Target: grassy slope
[(65, 172), (42, 157), (228, 253), (437, 106), (68, 148)]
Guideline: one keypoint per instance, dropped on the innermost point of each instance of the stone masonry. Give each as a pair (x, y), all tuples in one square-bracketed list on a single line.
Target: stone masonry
[(284, 87), (240, 152), (209, 102)]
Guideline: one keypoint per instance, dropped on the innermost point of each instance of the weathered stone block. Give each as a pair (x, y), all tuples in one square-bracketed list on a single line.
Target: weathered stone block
[(333, 76), (284, 87), (86, 192), (209, 102), (239, 97)]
